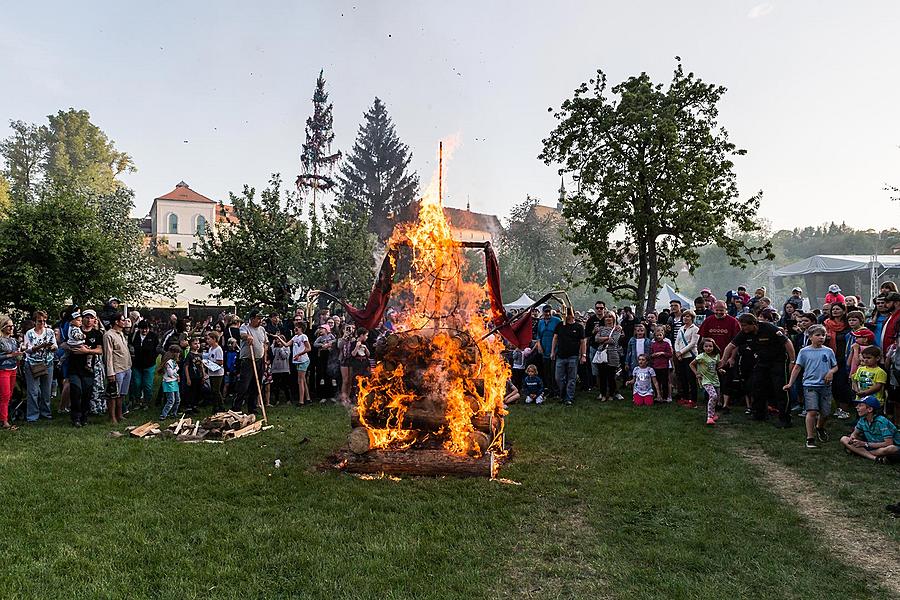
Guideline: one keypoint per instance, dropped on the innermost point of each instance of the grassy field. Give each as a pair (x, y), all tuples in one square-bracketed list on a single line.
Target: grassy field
[(612, 502)]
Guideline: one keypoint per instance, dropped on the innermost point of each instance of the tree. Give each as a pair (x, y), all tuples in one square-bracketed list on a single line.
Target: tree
[(24, 153), (316, 158), (656, 181), (4, 196), (346, 267), (374, 177), (67, 245), (535, 256), (80, 155), (261, 260)]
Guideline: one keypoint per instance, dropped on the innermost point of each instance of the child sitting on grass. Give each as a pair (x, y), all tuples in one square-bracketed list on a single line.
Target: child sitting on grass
[(818, 364), (168, 366), (533, 386), (870, 379), (643, 378), (706, 370)]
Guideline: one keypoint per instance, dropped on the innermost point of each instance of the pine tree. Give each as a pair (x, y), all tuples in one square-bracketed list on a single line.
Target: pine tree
[(316, 158), (374, 178)]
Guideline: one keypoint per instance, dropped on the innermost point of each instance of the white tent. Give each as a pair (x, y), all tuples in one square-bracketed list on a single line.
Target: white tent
[(666, 294), (192, 292), (523, 302)]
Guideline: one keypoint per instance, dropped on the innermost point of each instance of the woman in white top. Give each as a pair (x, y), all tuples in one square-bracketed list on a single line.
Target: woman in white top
[(686, 341), (300, 349)]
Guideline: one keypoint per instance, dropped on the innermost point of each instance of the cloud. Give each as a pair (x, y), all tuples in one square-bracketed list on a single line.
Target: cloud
[(760, 10)]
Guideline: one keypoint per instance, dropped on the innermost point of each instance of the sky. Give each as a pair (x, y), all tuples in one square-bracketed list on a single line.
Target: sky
[(217, 93)]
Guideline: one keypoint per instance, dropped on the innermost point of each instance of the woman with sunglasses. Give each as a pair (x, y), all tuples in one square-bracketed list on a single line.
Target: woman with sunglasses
[(39, 346), (9, 359)]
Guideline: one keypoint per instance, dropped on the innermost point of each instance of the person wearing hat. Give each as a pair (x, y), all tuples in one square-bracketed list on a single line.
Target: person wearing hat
[(81, 364), (874, 436), (253, 348), (796, 299), (110, 312), (546, 326), (834, 294), (143, 369)]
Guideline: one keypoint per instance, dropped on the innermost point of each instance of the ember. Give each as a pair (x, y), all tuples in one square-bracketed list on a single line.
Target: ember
[(433, 403)]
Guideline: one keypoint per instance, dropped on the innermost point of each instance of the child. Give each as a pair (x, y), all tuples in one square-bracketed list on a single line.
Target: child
[(168, 366), (231, 367), (643, 378), (870, 379), (281, 370), (194, 375), (818, 364), (533, 386), (660, 360), (706, 370), (300, 349), (215, 357)]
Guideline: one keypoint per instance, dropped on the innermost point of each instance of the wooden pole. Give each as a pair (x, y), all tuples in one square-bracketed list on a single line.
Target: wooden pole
[(262, 402)]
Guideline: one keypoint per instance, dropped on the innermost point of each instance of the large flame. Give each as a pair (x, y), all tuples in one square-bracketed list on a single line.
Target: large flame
[(464, 374)]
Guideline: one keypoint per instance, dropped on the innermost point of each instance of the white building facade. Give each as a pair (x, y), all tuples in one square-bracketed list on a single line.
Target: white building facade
[(177, 217)]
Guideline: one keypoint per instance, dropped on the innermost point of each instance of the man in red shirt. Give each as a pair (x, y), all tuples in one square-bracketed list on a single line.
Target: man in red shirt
[(721, 328)]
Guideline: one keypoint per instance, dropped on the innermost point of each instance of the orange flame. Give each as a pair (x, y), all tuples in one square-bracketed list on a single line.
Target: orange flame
[(461, 373)]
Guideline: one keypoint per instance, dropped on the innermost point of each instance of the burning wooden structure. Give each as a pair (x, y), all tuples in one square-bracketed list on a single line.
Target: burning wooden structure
[(433, 403)]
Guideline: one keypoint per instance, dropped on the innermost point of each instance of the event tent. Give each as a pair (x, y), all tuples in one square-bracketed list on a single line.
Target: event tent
[(523, 302), (666, 294), (192, 292), (850, 271)]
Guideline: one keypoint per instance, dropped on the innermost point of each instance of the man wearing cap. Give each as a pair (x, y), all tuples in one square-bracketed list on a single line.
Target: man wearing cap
[(796, 299), (874, 436), (117, 360), (546, 326), (569, 347), (81, 366), (143, 368), (253, 343)]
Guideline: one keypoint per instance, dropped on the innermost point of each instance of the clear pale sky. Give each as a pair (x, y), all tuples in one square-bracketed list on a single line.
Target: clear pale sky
[(217, 93)]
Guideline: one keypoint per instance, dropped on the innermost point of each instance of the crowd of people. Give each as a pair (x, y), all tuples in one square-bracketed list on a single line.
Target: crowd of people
[(838, 360), (112, 363)]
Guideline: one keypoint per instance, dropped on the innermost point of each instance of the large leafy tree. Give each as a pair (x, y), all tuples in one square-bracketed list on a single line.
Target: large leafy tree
[(262, 259), (656, 180), (375, 181), (24, 154), (346, 267), (68, 244)]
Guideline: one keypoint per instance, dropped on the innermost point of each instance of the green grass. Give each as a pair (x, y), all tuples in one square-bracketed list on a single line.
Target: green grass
[(614, 502)]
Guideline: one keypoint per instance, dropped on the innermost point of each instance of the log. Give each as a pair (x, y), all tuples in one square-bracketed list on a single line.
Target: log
[(426, 462), (360, 440), (245, 431), (142, 430), (415, 418)]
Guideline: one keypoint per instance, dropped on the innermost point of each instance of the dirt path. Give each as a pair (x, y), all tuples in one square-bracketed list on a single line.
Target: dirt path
[(850, 541)]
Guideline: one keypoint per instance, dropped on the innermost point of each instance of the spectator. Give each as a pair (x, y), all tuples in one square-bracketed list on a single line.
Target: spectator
[(796, 299), (168, 366), (771, 346), (705, 369), (345, 346), (686, 346), (323, 345), (722, 328), (9, 360), (591, 328), (661, 360), (568, 344), (758, 295), (607, 341), (193, 376), (788, 320), (818, 364), (533, 386), (834, 294), (674, 323), (117, 360), (708, 296), (109, 313), (546, 327), (837, 329), (359, 358), (82, 371), (143, 369), (870, 380), (637, 345), (874, 436), (643, 378), (39, 346), (214, 361), (701, 310)]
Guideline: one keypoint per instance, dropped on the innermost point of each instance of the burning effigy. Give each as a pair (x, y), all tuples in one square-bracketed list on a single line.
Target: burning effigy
[(433, 403)]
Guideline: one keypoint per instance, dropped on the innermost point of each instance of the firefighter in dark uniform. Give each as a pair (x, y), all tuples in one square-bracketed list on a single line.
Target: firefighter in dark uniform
[(771, 347)]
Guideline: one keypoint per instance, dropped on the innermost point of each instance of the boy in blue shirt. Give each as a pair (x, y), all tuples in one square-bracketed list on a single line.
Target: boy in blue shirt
[(874, 436), (818, 364)]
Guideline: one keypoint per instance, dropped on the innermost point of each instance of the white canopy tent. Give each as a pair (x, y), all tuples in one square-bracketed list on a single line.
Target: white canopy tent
[(523, 302), (665, 296), (192, 292)]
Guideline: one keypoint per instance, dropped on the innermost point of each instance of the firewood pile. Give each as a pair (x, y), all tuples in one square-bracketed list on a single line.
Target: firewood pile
[(222, 426)]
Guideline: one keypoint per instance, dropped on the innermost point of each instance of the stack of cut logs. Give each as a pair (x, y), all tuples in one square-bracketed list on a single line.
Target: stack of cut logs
[(221, 426), (424, 420)]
